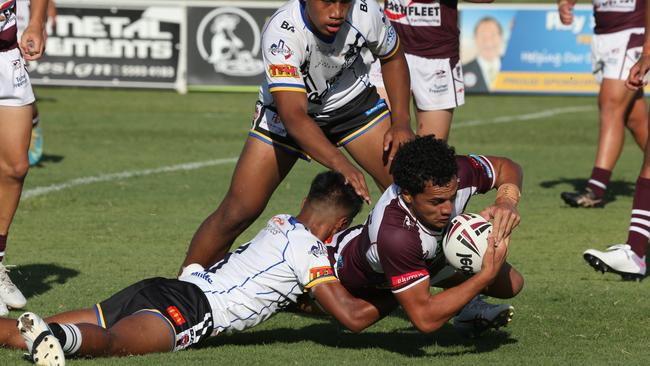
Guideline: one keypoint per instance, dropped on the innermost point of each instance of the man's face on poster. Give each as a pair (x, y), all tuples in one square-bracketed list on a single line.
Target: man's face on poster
[(489, 40)]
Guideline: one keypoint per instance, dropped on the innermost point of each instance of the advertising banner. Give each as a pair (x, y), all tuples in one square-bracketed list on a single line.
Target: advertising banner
[(224, 45), (519, 48), (101, 45)]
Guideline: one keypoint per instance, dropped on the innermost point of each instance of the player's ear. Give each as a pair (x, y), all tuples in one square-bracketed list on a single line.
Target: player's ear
[(342, 223), (407, 197)]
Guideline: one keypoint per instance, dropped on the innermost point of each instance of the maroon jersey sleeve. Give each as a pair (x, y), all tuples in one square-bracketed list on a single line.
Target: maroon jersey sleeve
[(475, 171), (400, 253)]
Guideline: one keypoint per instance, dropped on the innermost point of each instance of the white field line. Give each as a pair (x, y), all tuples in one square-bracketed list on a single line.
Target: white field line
[(524, 117), (39, 191)]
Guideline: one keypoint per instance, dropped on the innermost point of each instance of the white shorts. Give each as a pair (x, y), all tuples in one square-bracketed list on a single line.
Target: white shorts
[(613, 54), (15, 87), (434, 84)]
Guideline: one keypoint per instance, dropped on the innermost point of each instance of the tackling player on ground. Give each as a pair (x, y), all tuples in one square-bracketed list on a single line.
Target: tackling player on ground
[(429, 34), (16, 99), (615, 47), (629, 259), (316, 97), (399, 246), (286, 259)]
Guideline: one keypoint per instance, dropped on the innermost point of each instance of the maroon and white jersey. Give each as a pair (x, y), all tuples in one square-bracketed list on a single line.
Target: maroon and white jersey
[(8, 29), (617, 15), (426, 28), (392, 249)]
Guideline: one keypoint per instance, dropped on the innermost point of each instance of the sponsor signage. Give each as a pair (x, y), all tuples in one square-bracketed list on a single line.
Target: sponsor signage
[(519, 48), (102, 45), (224, 45)]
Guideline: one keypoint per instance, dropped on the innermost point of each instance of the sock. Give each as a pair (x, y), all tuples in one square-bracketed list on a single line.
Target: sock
[(640, 223), (3, 246), (68, 335), (599, 180)]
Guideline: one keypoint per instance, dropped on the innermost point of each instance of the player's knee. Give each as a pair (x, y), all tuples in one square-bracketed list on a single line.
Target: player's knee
[(14, 169)]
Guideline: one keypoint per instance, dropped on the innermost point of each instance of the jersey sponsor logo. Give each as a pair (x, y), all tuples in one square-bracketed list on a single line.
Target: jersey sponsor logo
[(203, 275), (363, 5), (615, 5), (318, 250), (415, 14), (286, 25), (318, 272), (281, 48), (176, 315), (405, 278), (283, 71), (229, 39)]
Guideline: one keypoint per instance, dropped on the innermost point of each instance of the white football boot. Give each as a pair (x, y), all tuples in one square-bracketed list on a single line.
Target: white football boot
[(618, 259), (478, 316), (9, 293), (4, 311), (43, 347)]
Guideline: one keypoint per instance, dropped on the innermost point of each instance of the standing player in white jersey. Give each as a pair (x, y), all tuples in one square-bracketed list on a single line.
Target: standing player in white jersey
[(430, 38), (615, 47), (22, 20), (316, 97), (16, 98), (287, 258)]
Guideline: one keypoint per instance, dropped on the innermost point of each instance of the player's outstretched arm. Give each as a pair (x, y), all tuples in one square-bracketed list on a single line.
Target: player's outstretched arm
[(429, 312), (394, 70), (292, 108), (32, 42), (354, 313), (503, 213)]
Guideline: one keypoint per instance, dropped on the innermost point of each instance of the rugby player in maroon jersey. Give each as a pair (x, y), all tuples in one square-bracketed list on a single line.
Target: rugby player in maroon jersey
[(616, 46)]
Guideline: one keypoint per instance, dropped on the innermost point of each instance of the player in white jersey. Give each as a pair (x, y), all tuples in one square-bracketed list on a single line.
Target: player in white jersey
[(16, 97), (316, 97), (287, 258)]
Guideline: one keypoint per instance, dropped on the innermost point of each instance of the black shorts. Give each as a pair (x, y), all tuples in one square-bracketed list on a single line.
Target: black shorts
[(182, 304), (340, 126)]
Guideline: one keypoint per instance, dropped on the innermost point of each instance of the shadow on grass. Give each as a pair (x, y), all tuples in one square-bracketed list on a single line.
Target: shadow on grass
[(36, 279), (616, 188), (407, 342), (47, 159)]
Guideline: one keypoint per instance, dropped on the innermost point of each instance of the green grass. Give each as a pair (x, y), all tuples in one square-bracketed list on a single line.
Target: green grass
[(77, 246)]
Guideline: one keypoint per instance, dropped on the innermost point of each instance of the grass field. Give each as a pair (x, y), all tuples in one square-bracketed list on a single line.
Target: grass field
[(78, 245)]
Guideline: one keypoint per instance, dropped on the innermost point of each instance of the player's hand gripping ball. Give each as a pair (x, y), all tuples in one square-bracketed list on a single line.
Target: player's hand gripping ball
[(466, 241)]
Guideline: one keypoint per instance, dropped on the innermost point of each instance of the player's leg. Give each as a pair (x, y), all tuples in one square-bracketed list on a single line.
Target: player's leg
[(15, 127), (629, 259), (637, 119), (260, 169), (436, 122), (438, 89), (367, 149), (614, 101), (10, 336)]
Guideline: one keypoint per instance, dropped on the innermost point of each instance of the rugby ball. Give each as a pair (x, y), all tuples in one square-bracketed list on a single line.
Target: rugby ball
[(466, 242)]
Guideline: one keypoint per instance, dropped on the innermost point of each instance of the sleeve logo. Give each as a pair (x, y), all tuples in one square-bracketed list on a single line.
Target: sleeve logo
[(318, 272), (283, 71), (405, 278)]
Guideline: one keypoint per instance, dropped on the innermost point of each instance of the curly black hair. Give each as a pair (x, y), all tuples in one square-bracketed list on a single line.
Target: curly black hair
[(423, 160), (330, 187)]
